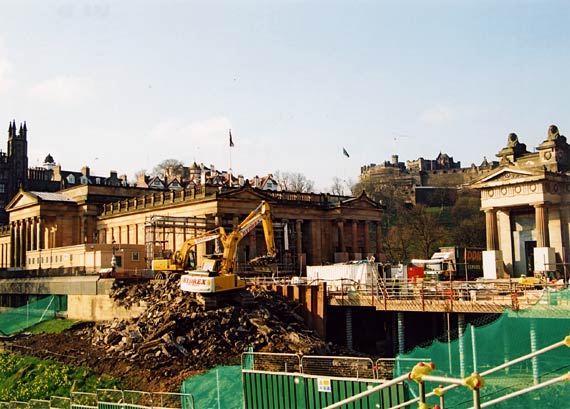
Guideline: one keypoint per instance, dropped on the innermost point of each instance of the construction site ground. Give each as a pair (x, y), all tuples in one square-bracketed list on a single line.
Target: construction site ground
[(176, 338)]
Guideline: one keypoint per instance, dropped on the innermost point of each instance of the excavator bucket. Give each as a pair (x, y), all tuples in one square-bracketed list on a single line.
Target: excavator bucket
[(264, 265)]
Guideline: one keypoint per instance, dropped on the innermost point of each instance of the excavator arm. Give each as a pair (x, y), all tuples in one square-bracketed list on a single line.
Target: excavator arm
[(261, 214), (182, 259)]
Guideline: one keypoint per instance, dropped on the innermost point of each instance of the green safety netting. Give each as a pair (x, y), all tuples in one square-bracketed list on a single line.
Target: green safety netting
[(20, 318), (512, 335), (219, 388)]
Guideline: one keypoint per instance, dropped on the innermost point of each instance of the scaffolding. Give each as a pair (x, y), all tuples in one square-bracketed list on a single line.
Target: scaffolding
[(162, 233)]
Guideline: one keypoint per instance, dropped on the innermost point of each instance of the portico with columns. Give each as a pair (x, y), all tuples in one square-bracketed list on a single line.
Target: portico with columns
[(527, 207)]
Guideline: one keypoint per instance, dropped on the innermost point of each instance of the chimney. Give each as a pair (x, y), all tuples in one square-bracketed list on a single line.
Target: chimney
[(241, 180), (141, 180), (394, 159), (85, 171)]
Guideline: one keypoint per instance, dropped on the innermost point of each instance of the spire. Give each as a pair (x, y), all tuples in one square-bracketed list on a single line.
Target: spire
[(24, 130), (10, 129)]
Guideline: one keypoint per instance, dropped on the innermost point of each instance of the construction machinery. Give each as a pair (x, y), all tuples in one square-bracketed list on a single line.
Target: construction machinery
[(217, 278), (184, 258)]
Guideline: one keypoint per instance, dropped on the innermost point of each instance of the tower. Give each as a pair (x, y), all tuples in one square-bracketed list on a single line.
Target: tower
[(17, 158)]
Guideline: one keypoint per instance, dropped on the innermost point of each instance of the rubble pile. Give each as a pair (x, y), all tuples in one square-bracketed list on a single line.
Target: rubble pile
[(175, 326)]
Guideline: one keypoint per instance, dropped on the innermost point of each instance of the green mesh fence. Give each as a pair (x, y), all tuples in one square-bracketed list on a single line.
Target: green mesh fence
[(511, 336), (219, 388), (20, 318)]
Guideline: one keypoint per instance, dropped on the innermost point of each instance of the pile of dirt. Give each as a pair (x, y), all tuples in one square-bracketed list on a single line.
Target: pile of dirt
[(176, 337)]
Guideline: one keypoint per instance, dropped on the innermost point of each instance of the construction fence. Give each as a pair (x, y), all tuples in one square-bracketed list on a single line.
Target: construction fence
[(109, 399), (514, 334), (20, 318)]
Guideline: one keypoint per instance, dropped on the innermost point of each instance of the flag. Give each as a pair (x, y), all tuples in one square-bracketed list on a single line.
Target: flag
[(345, 153), (231, 140)]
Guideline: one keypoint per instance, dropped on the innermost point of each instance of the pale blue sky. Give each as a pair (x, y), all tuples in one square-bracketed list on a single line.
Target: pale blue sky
[(122, 85)]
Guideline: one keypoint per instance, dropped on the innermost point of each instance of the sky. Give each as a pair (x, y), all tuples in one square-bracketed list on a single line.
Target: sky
[(123, 85)]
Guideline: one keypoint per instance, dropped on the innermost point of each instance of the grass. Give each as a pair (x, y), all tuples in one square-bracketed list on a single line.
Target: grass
[(54, 326), (23, 378)]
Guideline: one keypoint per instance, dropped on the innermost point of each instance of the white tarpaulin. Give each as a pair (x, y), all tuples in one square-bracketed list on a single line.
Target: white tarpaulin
[(361, 273)]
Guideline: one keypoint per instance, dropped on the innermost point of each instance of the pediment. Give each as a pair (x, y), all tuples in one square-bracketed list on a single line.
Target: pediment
[(22, 199), (362, 201), (246, 192), (508, 176)]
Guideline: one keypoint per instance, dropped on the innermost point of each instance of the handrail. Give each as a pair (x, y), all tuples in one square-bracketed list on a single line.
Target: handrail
[(459, 382)]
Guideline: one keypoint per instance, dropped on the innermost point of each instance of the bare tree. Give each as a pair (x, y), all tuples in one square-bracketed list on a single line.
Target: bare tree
[(293, 182), (337, 187), (169, 168)]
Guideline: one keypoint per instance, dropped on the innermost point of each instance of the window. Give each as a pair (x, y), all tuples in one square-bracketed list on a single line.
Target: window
[(71, 178), (84, 180), (119, 261), (135, 256), (2, 187)]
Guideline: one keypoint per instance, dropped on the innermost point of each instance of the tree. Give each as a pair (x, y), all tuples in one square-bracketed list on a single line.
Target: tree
[(293, 182), (169, 168), (468, 221), (389, 193), (340, 186), (426, 229)]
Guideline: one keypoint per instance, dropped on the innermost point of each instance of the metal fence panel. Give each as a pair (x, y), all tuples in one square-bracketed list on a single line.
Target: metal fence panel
[(166, 400), (268, 362), (339, 366), (137, 399), (39, 404), (59, 402), (19, 405), (83, 400), (273, 391)]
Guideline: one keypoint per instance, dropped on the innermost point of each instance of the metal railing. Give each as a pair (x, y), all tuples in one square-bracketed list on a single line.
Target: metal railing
[(109, 399), (424, 295), (474, 382)]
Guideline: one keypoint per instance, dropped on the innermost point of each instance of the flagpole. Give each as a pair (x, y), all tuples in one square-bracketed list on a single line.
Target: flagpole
[(345, 153), (230, 147)]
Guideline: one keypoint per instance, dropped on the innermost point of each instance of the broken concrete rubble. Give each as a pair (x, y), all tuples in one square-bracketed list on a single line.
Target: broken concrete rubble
[(177, 336)]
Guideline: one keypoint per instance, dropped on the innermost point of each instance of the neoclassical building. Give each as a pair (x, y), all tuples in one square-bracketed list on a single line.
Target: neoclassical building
[(526, 201), (78, 230)]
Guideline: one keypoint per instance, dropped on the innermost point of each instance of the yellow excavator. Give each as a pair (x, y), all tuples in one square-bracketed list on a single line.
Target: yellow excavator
[(217, 278), (185, 258)]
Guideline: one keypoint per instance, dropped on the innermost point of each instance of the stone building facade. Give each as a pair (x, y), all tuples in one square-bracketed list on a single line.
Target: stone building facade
[(526, 201), (87, 223)]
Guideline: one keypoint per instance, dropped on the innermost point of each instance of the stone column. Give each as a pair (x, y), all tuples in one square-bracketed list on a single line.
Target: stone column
[(21, 243), (367, 249), (252, 242), (379, 248), (300, 254), (13, 236), (342, 244), (491, 228), (354, 238), (34, 228), (41, 238), (298, 227), (541, 217)]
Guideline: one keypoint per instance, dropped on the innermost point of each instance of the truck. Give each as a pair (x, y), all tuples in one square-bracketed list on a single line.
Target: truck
[(450, 262), (217, 278)]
